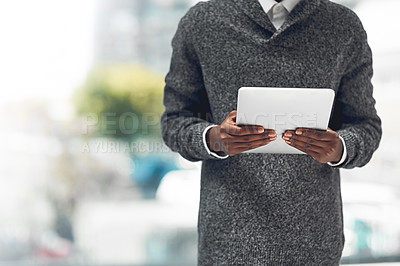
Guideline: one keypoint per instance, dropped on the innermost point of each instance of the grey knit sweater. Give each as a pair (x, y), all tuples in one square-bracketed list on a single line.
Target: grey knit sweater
[(269, 209)]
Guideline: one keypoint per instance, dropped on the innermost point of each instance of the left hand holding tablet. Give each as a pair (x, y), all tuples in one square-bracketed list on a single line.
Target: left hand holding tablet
[(323, 145)]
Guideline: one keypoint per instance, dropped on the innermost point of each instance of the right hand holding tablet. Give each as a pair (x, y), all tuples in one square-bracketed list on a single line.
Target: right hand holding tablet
[(230, 138)]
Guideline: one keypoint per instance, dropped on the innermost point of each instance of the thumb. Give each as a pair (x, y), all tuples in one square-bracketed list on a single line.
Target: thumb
[(232, 116)]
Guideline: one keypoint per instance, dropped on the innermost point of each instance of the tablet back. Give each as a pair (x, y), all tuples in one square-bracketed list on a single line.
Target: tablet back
[(282, 109)]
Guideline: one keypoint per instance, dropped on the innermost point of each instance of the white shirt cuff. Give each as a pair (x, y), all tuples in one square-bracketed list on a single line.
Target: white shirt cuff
[(344, 155), (205, 144)]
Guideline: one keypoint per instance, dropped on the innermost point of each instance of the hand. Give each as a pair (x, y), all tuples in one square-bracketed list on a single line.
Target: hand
[(323, 145), (232, 139)]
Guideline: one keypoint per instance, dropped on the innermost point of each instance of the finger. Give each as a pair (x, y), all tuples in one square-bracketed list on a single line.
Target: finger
[(305, 147), (232, 116), (241, 130), (252, 137), (253, 145), (230, 141), (236, 130), (313, 154), (289, 131), (248, 146), (229, 126), (250, 129), (242, 141), (315, 133), (320, 143)]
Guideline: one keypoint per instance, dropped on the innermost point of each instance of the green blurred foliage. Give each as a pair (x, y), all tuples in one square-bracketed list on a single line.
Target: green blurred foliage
[(125, 99)]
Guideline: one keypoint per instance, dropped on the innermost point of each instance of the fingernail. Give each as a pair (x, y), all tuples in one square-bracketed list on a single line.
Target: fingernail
[(272, 134), (299, 132), (285, 138), (273, 138), (288, 134), (260, 130)]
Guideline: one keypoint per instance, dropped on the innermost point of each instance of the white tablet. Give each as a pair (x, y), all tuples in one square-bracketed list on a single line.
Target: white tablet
[(284, 109)]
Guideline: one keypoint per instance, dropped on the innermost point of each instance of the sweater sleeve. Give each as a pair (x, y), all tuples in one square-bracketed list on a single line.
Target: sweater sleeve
[(187, 110), (359, 124)]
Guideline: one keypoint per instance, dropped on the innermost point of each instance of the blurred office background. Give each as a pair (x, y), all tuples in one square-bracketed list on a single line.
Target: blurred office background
[(84, 176)]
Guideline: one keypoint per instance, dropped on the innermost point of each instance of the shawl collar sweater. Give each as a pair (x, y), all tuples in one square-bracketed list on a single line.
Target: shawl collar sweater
[(269, 209)]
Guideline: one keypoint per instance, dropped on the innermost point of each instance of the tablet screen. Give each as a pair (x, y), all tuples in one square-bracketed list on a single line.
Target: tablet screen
[(284, 109)]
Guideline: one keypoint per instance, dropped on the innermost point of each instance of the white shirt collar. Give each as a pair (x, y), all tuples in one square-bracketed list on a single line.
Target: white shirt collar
[(288, 4)]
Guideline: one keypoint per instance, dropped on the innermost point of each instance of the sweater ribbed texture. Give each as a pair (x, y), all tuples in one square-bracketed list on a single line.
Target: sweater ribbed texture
[(269, 209)]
